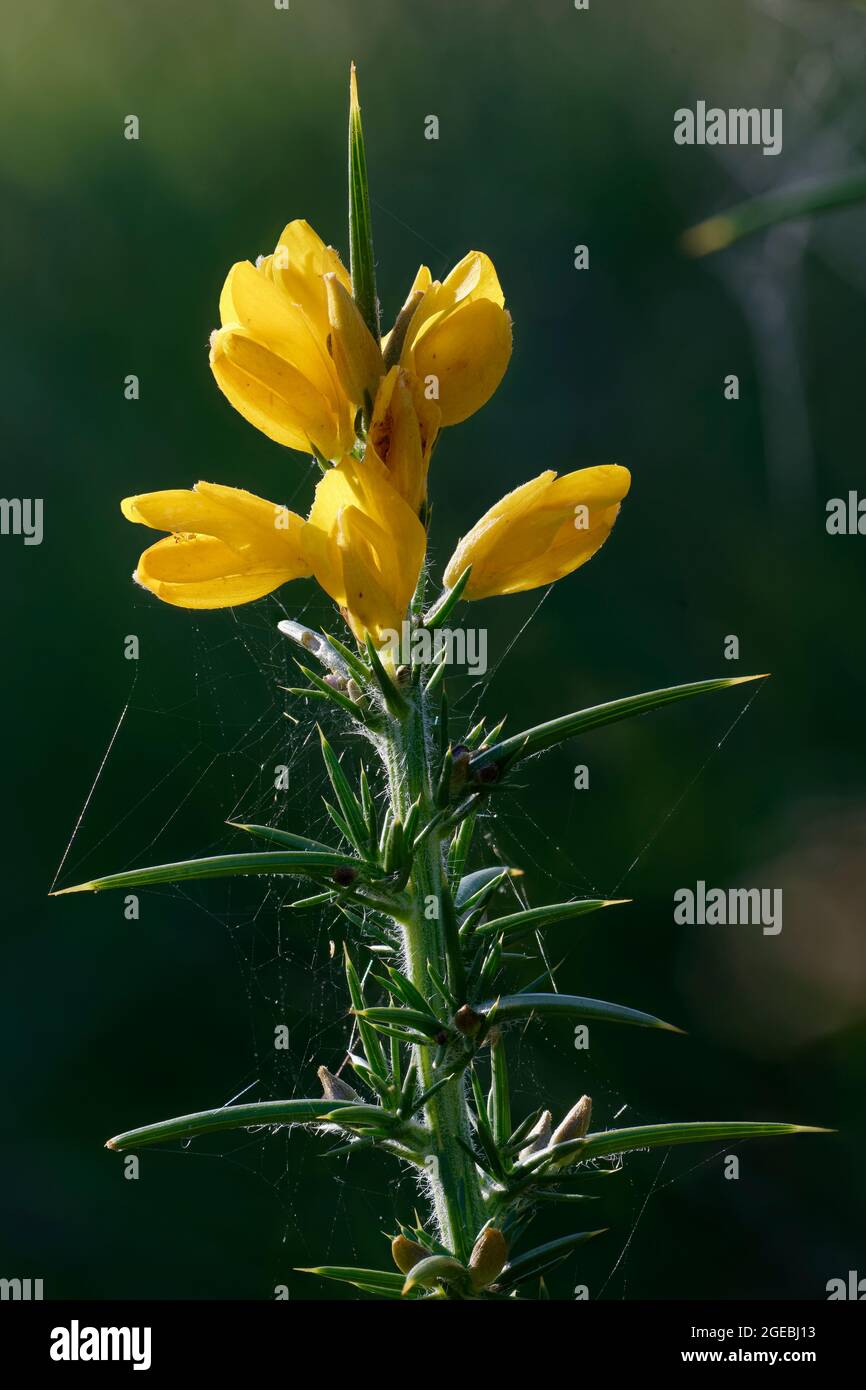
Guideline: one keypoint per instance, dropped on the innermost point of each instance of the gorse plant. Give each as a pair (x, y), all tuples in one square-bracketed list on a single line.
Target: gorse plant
[(299, 354)]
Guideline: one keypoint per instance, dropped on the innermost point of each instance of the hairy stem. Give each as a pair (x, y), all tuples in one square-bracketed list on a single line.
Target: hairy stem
[(455, 1187)]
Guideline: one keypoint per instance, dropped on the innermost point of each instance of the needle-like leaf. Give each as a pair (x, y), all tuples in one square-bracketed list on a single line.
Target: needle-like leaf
[(394, 701), (446, 602), (513, 1006), (543, 736), (298, 863), (348, 802), (518, 922), (386, 1283), (616, 1141), (362, 262), (543, 1257), (260, 1113)]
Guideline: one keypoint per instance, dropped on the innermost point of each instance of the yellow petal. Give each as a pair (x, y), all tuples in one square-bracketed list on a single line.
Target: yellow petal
[(423, 280), (353, 348), (465, 353), (372, 604), (479, 544), (250, 298), (228, 546), (235, 516), (275, 397), (540, 532), (202, 572), (473, 278), (299, 262)]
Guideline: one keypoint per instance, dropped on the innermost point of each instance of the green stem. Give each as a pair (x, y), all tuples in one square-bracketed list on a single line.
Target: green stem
[(454, 1182)]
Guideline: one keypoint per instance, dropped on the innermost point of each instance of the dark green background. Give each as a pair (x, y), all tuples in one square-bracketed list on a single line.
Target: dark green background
[(556, 129)]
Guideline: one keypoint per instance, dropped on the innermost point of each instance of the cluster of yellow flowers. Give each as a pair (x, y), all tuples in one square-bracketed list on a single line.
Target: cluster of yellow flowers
[(296, 358)]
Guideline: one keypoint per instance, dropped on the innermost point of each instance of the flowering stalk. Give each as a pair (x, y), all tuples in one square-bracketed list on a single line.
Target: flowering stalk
[(452, 1171), (428, 946)]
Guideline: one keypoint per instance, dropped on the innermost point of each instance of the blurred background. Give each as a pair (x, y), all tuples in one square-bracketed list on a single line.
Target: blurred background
[(556, 129)]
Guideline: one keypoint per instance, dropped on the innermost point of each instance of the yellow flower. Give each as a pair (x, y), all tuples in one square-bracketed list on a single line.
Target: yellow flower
[(227, 546), (540, 531), (402, 434), (458, 339), (293, 354), (365, 546), (362, 542)]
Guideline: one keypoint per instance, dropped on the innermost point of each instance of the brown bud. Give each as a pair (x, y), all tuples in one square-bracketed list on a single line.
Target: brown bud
[(333, 1088), (344, 874), (488, 1257), (407, 1253), (335, 682), (538, 1137), (403, 675), (397, 336), (460, 756), (467, 1021), (575, 1124), (489, 774)]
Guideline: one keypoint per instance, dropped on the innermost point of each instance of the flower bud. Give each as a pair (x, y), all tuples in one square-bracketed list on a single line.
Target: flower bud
[(532, 537), (467, 1021), (407, 1253), (343, 875), (488, 1257), (538, 1137), (333, 1088), (397, 336), (352, 346), (575, 1124), (460, 756)]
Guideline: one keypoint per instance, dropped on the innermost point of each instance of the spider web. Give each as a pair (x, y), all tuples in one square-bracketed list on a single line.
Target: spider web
[(240, 756), (227, 740)]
